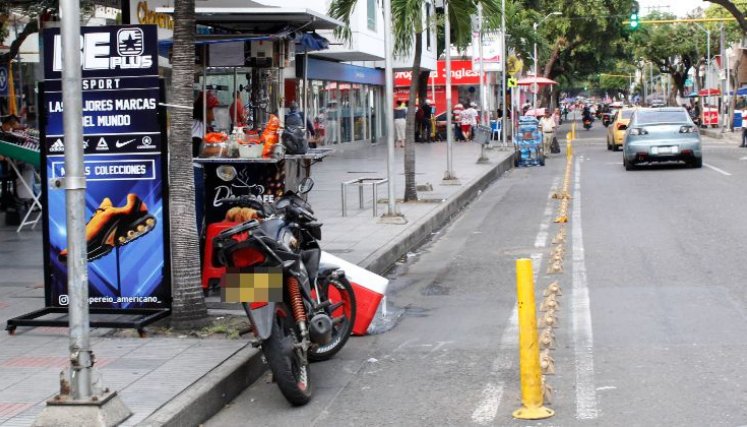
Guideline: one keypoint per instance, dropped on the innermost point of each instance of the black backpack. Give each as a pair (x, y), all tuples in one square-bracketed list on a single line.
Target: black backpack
[(294, 140)]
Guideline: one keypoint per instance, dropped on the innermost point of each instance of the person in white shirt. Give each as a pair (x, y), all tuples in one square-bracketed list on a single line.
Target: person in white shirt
[(744, 127), (547, 126), (468, 120)]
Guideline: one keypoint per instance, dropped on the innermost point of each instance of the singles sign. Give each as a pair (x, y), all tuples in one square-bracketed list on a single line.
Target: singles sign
[(124, 164)]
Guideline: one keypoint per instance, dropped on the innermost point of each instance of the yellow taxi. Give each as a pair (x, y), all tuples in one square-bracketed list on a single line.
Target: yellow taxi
[(616, 130)]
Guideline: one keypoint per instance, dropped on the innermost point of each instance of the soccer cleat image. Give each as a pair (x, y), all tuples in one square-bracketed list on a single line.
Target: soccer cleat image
[(111, 226)]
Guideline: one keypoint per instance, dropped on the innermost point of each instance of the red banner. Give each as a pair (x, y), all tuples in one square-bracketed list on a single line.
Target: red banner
[(461, 74)]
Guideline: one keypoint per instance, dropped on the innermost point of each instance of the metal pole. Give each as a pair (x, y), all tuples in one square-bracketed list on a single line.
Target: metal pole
[(305, 86), (204, 92), (536, 67), (722, 49), (503, 71), (483, 93), (449, 125), (387, 104), (75, 202), (236, 98)]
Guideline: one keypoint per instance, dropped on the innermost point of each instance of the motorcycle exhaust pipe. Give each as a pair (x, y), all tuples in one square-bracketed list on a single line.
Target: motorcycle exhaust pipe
[(320, 329)]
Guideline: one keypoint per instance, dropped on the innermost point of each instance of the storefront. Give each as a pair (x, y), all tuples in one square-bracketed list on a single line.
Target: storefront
[(344, 100), (465, 84)]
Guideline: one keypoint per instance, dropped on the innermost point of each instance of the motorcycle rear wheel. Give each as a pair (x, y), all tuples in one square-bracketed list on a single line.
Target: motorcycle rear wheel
[(291, 373), (338, 291)]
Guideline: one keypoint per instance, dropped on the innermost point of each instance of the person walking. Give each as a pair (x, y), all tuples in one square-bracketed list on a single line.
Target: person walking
[(547, 124), (468, 121), (400, 124), (744, 128), (425, 121), (457, 121)]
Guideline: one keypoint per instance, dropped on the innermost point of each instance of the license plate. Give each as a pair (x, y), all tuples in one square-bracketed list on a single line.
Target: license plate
[(665, 150)]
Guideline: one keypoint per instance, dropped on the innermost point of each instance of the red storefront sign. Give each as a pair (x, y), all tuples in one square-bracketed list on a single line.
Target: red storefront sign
[(461, 74)]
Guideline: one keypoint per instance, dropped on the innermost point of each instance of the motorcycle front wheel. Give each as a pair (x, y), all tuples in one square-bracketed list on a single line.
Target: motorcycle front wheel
[(342, 309), (290, 371)]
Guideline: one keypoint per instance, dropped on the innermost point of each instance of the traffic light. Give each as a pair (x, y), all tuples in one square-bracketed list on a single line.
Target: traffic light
[(634, 23)]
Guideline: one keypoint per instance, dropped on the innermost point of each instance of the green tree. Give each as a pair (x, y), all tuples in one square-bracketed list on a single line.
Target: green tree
[(736, 9), (408, 26), (188, 307)]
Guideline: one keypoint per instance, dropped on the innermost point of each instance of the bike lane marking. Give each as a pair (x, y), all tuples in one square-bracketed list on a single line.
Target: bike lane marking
[(492, 393), (586, 398)]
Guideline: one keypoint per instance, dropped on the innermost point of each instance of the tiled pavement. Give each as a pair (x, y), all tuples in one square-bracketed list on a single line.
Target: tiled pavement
[(149, 372)]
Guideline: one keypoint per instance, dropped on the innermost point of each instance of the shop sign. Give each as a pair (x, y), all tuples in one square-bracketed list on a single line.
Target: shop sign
[(461, 74), (491, 51), (143, 12), (124, 165)]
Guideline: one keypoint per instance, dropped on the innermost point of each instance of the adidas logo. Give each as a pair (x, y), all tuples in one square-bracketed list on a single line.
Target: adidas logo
[(102, 145), (57, 147)]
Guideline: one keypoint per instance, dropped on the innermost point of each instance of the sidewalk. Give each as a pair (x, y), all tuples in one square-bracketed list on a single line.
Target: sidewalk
[(727, 137), (184, 380)]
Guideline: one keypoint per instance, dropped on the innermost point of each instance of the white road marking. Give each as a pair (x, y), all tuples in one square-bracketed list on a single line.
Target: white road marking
[(586, 397), (488, 408), (492, 393), (721, 171), (541, 240), (743, 158)]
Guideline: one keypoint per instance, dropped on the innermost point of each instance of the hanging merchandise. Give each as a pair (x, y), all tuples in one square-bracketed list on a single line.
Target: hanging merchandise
[(270, 135)]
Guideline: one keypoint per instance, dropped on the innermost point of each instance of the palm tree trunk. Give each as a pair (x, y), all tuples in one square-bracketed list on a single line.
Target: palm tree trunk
[(411, 192), (188, 306)]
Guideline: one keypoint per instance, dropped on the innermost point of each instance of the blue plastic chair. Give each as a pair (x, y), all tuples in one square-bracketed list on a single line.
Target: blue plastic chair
[(495, 130)]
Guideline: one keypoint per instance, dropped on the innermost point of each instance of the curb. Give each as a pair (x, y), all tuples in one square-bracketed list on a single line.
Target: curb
[(716, 134), (209, 394), (381, 261)]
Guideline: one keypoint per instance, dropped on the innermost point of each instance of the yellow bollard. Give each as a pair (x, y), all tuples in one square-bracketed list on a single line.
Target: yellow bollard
[(531, 376)]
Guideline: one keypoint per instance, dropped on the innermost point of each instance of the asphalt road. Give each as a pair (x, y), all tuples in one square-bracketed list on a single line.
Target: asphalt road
[(651, 322)]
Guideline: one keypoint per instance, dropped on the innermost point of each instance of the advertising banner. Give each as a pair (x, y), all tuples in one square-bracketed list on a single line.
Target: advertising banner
[(239, 179), (4, 80), (125, 168)]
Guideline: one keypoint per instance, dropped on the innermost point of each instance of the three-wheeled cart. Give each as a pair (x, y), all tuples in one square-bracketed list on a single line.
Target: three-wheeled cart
[(528, 143)]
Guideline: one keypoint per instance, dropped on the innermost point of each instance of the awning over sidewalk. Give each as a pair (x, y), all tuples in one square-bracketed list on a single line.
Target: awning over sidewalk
[(260, 20)]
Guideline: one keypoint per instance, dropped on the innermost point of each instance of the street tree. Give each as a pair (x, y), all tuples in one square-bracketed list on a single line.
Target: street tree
[(582, 37), (35, 11), (409, 23), (188, 306), (735, 8)]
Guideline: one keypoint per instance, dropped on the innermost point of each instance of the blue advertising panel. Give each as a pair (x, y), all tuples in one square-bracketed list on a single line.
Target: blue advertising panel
[(124, 164), (4, 80)]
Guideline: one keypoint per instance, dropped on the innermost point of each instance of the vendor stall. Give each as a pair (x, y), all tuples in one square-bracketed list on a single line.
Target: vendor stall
[(21, 147), (248, 81)]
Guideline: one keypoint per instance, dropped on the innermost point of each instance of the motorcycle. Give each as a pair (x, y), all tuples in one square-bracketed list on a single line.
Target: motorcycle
[(587, 123), (302, 310), (606, 119)]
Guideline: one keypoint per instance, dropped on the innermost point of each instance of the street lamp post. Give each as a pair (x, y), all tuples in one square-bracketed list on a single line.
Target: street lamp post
[(536, 59)]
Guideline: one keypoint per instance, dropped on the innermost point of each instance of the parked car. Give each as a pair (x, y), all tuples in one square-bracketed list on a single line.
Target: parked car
[(616, 132), (661, 135)]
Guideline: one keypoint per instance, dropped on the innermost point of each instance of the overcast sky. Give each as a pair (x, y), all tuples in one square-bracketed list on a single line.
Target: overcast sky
[(678, 7)]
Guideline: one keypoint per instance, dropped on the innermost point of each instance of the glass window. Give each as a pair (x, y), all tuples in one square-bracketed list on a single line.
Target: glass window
[(371, 15), (653, 117), (627, 114)]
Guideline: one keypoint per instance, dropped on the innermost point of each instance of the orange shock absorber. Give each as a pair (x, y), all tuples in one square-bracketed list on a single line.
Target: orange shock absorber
[(299, 313)]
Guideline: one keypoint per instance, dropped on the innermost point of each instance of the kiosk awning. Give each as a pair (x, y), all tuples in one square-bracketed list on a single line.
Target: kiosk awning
[(260, 20)]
